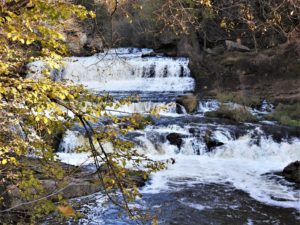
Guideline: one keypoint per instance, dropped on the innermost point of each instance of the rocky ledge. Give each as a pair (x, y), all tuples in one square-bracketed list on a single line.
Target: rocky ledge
[(76, 182), (292, 172)]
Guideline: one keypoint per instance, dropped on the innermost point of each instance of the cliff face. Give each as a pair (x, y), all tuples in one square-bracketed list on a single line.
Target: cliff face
[(273, 73)]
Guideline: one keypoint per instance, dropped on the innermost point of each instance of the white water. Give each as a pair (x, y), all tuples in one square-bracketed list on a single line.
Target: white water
[(212, 105), (243, 162), (126, 70), (239, 162), (149, 107), (208, 105)]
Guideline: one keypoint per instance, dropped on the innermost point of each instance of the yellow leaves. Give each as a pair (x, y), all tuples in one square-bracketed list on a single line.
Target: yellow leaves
[(9, 19), (155, 221), (29, 41), (3, 68), (4, 161), (42, 109), (45, 120), (206, 3), (66, 210), (223, 24), (92, 14)]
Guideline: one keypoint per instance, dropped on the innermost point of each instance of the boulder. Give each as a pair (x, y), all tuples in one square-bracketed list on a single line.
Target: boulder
[(211, 142), (292, 172), (175, 139), (189, 102), (236, 46)]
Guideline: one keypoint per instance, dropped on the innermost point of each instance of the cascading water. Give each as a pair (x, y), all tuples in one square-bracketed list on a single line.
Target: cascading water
[(127, 70), (224, 173)]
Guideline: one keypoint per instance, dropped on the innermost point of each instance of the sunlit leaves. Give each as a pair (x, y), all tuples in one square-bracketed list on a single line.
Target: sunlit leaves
[(34, 111), (66, 210)]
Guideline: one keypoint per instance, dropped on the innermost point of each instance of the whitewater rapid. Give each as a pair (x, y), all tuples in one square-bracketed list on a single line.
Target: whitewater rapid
[(248, 158)]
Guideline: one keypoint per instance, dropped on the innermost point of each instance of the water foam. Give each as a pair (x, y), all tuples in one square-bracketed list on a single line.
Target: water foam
[(240, 162), (126, 70)]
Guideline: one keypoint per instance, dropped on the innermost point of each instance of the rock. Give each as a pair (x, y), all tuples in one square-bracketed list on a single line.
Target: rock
[(236, 46), (189, 102), (152, 54), (77, 182), (216, 50), (175, 139), (81, 37), (232, 112), (138, 177), (210, 142), (180, 109), (292, 172)]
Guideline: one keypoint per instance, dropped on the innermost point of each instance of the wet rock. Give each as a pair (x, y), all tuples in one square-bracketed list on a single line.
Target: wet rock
[(211, 142), (189, 102), (138, 177), (175, 139), (292, 172), (180, 109)]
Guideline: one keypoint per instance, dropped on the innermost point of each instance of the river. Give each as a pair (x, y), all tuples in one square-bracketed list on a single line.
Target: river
[(232, 183)]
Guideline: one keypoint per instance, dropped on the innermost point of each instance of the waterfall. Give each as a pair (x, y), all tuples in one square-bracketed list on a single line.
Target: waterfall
[(205, 150), (244, 160), (126, 69), (208, 105)]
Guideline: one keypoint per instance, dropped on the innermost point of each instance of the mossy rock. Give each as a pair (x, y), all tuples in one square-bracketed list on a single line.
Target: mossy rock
[(238, 98), (237, 114)]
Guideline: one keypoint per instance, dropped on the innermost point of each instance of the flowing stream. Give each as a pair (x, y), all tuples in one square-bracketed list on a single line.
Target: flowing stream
[(233, 182)]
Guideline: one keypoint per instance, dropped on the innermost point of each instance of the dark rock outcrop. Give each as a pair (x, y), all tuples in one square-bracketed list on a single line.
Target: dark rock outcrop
[(175, 139), (211, 142), (292, 172)]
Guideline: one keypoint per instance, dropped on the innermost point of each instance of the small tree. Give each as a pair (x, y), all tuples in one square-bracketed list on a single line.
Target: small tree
[(32, 111)]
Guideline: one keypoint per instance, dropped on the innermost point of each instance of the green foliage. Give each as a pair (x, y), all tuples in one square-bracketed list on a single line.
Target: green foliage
[(238, 114), (286, 114)]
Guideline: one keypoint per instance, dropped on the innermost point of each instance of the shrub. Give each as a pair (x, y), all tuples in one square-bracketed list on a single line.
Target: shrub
[(286, 114)]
